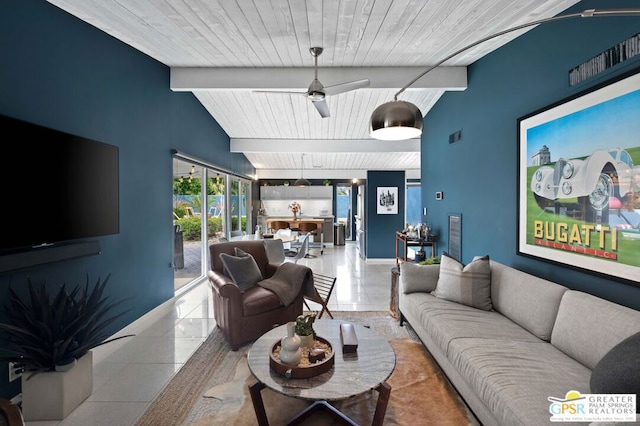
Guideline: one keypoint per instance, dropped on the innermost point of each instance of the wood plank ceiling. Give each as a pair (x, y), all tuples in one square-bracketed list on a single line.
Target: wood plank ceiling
[(223, 50)]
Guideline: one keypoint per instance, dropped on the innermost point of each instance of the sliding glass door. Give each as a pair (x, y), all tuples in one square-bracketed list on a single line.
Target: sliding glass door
[(216, 202), (187, 222), (203, 214), (240, 200)]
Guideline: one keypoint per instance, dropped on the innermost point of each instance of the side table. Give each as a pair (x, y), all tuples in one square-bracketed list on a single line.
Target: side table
[(394, 308), (407, 242)]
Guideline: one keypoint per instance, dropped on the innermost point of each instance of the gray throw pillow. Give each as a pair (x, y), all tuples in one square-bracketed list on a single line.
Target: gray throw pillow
[(469, 285), (240, 252), (617, 371), (416, 278), (243, 270)]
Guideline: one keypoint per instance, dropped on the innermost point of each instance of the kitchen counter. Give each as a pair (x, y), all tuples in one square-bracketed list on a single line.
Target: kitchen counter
[(325, 223), (293, 223), (290, 217)]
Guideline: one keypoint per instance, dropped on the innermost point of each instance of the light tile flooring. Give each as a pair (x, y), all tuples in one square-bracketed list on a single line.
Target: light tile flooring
[(129, 373)]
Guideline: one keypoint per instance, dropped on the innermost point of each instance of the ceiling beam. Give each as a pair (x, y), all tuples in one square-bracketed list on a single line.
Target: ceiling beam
[(214, 78), (324, 174), (322, 145)]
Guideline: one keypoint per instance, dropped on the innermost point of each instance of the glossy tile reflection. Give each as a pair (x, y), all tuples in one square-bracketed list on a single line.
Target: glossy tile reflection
[(129, 374)]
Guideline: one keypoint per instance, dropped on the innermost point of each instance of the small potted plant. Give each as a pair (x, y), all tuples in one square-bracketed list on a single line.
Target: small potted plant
[(430, 261), (304, 329)]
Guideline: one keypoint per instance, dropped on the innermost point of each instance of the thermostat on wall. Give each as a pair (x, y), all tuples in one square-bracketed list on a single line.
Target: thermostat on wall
[(439, 195)]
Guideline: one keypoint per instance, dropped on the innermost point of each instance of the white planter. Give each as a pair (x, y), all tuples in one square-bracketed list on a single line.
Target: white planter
[(53, 395), (306, 341)]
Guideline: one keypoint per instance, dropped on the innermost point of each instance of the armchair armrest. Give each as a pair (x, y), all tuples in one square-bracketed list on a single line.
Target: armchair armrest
[(223, 285)]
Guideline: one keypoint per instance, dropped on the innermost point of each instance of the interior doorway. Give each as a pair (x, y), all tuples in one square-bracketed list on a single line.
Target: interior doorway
[(343, 207)]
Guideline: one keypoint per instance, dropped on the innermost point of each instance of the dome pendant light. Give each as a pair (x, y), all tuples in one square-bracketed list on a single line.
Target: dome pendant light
[(400, 120), (395, 121), (302, 181)]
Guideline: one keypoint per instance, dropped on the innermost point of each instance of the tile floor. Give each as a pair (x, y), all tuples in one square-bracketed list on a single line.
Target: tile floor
[(129, 373)]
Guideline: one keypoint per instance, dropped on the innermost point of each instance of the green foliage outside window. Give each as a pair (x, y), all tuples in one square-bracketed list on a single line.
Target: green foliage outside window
[(191, 226)]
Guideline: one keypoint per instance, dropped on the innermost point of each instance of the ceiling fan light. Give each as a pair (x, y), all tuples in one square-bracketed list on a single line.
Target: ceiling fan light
[(396, 121)]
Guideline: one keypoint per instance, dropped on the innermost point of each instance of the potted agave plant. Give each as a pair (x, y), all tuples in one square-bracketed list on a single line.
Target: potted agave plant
[(304, 329), (50, 337)]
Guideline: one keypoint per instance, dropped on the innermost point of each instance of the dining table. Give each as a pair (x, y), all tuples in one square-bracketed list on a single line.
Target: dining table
[(285, 238)]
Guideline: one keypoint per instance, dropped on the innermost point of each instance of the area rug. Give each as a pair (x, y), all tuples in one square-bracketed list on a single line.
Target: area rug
[(212, 387)]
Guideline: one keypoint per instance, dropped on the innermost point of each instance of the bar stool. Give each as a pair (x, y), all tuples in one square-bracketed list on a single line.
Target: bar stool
[(279, 224), (312, 229)]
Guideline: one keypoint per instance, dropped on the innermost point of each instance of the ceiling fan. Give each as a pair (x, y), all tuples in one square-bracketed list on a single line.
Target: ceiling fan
[(317, 92)]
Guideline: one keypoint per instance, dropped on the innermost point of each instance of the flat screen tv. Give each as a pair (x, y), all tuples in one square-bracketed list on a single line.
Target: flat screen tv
[(57, 187)]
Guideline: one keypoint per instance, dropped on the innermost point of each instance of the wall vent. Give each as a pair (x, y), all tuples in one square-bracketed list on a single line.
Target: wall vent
[(455, 136)]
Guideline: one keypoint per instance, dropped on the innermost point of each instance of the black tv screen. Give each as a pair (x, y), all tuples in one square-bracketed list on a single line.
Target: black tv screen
[(58, 187)]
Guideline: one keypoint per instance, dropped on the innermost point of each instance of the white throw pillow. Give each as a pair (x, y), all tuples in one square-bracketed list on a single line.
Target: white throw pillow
[(469, 285)]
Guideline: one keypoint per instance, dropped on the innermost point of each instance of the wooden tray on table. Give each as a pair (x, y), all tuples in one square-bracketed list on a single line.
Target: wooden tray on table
[(301, 371)]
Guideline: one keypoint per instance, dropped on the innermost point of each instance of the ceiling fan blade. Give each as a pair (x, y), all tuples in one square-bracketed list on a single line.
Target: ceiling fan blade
[(286, 92), (345, 87), (322, 108)]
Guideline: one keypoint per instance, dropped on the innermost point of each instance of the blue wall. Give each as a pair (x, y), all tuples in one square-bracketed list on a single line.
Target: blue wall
[(478, 174), (381, 228), (62, 73)]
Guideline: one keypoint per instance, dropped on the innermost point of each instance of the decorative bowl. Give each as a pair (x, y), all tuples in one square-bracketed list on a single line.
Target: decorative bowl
[(301, 371)]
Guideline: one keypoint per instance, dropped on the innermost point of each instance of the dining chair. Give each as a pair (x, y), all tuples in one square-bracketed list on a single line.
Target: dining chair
[(286, 234), (312, 229), (302, 251), (275, 250)]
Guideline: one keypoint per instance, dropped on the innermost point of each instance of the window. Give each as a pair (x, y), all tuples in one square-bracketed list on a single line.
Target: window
[(202, 214)]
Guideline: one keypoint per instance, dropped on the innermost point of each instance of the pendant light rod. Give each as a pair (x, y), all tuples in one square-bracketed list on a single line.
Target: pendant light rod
[(588, 13)]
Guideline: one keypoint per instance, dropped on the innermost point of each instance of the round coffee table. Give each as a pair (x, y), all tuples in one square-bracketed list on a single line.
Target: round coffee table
[(352, 373)]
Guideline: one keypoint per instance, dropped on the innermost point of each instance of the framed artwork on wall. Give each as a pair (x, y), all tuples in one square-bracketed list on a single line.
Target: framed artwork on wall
[(579, 181), (387, 199)]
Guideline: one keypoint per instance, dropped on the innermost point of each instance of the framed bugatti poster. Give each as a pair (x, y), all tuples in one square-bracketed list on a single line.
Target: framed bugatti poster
[(579, 181)]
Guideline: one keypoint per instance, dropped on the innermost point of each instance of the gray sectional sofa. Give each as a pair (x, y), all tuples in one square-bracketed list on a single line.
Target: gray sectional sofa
[(537, 340)]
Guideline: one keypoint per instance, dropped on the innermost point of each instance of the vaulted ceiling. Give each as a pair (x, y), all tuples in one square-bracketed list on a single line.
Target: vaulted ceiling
[(225, 51)]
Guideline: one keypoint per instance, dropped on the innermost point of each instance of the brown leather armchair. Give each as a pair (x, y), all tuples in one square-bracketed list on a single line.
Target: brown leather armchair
[(243, 317), (10, 414)]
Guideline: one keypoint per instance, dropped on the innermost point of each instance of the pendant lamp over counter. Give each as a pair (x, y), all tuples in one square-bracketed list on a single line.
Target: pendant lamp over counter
[(400, 120), (302, 181)]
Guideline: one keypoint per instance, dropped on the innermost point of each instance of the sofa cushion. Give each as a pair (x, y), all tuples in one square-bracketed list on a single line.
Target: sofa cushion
[(515, 378), (617, 371), (243, 270), (587, 327), (415, 277), (445, 322), (527, 300), (469, 285)]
